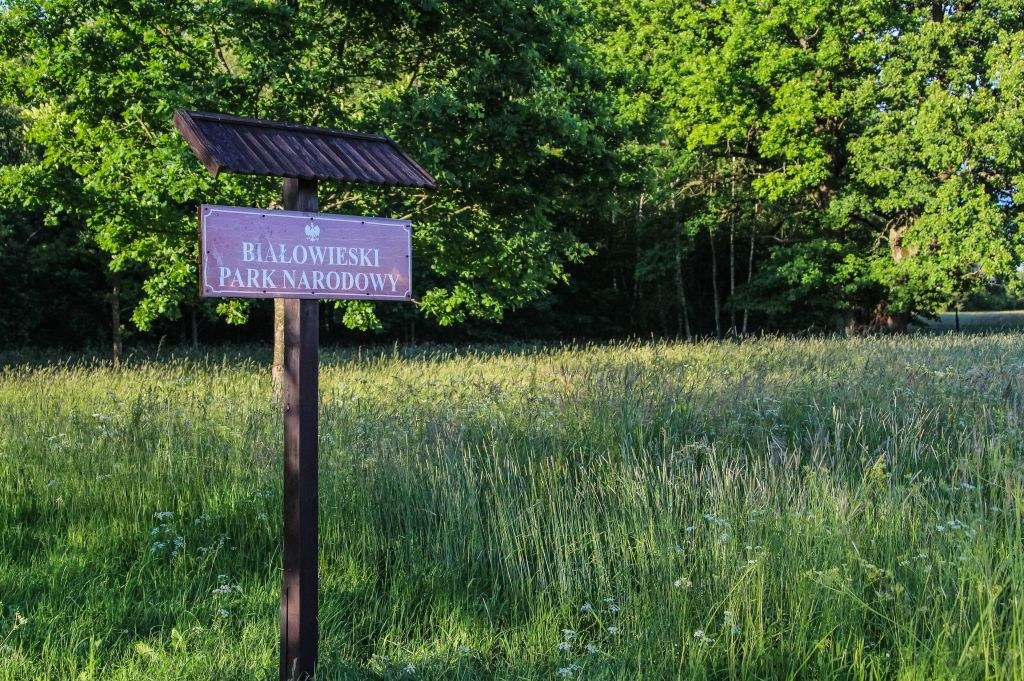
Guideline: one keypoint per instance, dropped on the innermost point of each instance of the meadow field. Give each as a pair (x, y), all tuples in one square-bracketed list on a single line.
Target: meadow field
[(1005, 320), (772, 509)]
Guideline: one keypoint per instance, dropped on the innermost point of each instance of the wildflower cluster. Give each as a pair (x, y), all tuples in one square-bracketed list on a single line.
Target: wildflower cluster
[(164, 537), (168, 538), (223, 596), (596, 627), (953, 525), (724, 526), (702, 637), (106, 425)]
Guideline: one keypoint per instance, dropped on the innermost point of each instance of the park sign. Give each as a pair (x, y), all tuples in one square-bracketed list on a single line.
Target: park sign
[(253, 253), (300, 256)]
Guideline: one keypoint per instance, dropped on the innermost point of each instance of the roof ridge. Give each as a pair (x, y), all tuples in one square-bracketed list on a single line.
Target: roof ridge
[(264, 123)]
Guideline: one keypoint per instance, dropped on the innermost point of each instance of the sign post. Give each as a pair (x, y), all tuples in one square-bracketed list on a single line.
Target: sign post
[(301, 256), (299, 624)]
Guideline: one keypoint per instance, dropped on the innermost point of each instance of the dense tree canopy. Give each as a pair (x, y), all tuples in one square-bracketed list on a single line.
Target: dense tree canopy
[(487, 95), (868, 151), (605, 167)]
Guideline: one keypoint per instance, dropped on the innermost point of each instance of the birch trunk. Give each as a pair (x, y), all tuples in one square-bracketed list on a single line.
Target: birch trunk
[(684, 316), (115, 323), (714, 284)]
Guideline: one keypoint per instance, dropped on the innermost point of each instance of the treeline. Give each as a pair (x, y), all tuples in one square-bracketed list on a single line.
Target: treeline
[(681, 168)]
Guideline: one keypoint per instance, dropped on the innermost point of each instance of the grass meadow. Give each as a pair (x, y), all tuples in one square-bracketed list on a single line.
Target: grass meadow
[(1006, 320), (773, 509)]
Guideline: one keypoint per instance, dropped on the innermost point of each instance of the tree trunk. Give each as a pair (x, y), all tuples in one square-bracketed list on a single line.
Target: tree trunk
[(662, 318), (637, 290), (890, 322), (195, 327), (732, 249), (115, 322), (856, 321), (683, 320), (750, 277), (714, 284)]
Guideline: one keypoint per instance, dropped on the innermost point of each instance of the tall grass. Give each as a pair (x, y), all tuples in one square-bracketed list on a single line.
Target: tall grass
[(779, 508)]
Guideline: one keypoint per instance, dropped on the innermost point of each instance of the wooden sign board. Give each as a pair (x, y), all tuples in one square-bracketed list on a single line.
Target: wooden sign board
[(253, 253)]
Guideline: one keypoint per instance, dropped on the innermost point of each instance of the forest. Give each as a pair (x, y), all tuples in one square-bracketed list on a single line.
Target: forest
[(675, 168)]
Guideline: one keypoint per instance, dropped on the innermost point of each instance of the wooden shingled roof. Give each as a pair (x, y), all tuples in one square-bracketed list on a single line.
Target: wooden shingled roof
[(252, 146)]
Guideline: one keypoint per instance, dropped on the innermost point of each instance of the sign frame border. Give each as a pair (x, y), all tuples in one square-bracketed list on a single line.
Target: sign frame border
[(208, 209)]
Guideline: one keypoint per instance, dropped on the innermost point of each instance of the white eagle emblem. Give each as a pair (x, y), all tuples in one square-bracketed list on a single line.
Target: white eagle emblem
[(312, 231)]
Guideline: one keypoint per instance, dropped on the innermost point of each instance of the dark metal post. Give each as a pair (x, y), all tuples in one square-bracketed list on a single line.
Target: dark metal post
[(301, 356)]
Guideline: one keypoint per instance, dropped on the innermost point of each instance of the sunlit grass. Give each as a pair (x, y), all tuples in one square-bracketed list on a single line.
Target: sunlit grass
[(780, 508)]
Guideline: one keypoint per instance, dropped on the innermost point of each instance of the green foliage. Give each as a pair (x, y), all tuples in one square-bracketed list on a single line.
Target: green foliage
[(606, 167), (870, 152), (938, 162), (494, 98)]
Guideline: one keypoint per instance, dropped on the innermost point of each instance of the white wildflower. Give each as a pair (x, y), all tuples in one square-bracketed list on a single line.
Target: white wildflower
[(410, 669), (613, 630), (565, 645), (586, 607), (592, 649)]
